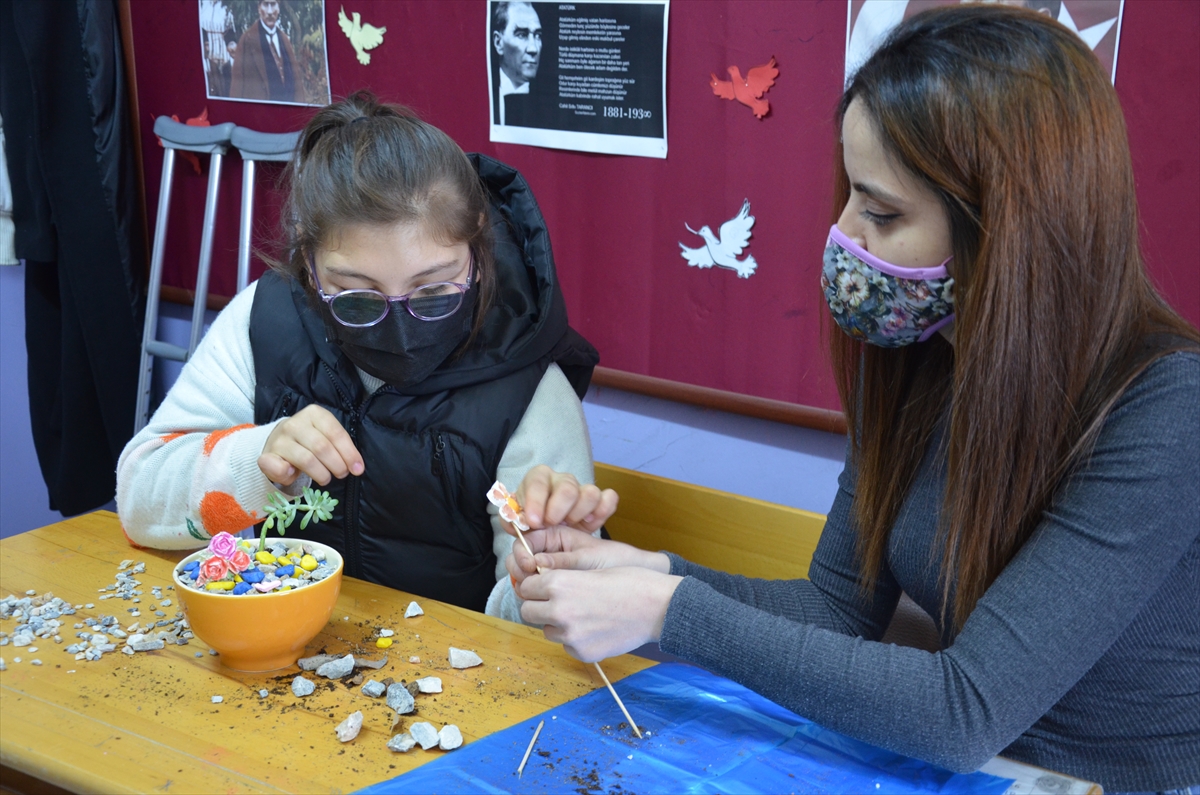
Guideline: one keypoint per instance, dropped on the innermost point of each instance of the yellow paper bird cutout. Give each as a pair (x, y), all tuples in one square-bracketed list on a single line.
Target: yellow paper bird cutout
[(362, 37)]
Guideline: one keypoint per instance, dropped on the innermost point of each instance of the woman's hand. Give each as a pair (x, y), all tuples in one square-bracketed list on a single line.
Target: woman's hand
[(313, 442), (598, 614), (551, 498), (562, 547)]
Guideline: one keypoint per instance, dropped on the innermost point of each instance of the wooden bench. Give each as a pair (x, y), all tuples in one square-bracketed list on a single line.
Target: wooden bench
[(714, 528)]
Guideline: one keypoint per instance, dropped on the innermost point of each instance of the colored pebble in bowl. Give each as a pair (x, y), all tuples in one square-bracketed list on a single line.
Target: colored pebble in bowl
[(230, 568), (235, 567)]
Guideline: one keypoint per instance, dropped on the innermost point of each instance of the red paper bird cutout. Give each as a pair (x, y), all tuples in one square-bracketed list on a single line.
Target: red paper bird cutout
[(195, 121), (748, 90)]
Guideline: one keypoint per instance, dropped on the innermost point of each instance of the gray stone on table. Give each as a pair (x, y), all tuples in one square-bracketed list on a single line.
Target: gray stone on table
[(402, 743), (425, 734), (429, 684), (464, 658), (449, 738), (399, 699), (348, 729), (315, 662), (336, 669)]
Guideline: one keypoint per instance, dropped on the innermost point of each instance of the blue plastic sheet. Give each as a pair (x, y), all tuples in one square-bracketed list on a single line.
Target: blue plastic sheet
[(704, 734)]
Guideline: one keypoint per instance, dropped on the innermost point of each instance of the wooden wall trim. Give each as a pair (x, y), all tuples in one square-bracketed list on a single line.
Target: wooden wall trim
[(134, 120), (732, 402), (677, 391)]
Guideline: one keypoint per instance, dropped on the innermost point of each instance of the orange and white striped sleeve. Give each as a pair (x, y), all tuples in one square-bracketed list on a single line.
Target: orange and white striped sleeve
[(192, 472)]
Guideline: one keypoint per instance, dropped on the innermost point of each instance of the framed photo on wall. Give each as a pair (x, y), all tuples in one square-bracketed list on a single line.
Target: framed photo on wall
[(1098, 23), (587, 75), (265, 51)]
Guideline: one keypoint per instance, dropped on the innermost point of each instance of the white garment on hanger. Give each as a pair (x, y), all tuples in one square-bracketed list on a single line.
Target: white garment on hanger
[(8, 251)]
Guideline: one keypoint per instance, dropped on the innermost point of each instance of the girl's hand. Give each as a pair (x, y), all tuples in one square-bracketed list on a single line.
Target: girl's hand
[(312, 442), (598, 614), (562, 547), (551, 498)]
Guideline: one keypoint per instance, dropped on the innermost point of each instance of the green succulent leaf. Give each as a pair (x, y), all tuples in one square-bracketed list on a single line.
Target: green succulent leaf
[(281, 511)]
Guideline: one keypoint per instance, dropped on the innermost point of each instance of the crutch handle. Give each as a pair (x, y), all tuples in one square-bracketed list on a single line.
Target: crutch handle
[(214, 139), (254, 145)]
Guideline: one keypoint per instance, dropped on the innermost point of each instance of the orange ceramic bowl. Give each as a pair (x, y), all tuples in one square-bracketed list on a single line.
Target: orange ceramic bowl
[(264, 632)]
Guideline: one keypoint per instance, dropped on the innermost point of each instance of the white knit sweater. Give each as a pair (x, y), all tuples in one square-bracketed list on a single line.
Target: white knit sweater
[(193, 470)]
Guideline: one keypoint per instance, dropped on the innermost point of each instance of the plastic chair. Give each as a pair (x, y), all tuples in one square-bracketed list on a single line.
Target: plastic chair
[(214, 141), (254, 146)]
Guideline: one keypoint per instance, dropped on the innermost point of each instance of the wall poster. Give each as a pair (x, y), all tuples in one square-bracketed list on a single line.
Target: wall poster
[(589, 75), (1098, 23), (265, 51)]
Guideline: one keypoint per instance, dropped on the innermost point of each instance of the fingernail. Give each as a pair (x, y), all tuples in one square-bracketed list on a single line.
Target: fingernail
[(589, 518), (291, 471), (356, 468), (533, 518)]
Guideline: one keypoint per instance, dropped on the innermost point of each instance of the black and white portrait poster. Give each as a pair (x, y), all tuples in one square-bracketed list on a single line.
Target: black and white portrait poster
[(265, 51), (589, 76), (1097, 22)]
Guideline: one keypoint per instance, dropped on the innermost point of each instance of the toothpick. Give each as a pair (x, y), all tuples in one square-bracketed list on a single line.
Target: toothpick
[(599, 670), (628, 717), (525, 544), (525, 759)]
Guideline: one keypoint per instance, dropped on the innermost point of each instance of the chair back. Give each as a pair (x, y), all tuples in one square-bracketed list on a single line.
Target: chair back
[(724, 531)]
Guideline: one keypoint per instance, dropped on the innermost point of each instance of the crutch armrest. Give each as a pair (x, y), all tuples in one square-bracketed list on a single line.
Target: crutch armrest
[(254, 145), (214, 139)]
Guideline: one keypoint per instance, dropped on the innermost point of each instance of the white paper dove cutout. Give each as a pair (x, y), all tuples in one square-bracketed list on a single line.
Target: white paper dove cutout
[(362, 37), (735, 234)]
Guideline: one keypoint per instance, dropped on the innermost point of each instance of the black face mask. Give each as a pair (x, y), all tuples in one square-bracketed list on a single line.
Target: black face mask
[(401, 349)]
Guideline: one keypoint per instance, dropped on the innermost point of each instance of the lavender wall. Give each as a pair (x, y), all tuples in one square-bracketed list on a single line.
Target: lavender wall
[(24, 501)]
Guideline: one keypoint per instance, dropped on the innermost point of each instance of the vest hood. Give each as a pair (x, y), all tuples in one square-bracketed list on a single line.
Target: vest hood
[(528, 318)]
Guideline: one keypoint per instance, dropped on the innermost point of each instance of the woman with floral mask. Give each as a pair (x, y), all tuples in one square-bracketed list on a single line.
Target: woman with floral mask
[(411, 348), (1022, 457)]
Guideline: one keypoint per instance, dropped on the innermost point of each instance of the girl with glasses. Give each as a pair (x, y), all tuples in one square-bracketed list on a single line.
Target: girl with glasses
[(1024, 434), (410, 349)]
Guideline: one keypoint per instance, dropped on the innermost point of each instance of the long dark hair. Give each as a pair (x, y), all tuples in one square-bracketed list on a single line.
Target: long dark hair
[(362, 161), (1009, 118)]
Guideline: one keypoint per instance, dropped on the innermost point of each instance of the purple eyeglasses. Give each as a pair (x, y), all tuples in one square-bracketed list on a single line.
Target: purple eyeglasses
[(363, 308)]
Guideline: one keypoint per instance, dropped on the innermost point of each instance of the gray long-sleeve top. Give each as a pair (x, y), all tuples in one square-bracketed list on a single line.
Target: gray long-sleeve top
[(1083, 656)]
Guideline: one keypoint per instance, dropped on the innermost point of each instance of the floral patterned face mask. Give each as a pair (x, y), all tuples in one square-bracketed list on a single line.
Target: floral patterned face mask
[(881, 303)]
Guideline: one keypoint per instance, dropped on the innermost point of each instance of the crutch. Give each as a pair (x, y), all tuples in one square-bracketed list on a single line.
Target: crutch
[(254, 146), (212, 140)]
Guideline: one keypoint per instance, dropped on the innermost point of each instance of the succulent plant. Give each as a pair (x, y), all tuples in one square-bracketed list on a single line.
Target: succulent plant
[(281, 511)]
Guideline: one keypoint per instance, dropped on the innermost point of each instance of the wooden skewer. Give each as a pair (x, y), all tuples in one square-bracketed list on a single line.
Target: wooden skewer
[(599, 670), (528, 750), (628, 717)]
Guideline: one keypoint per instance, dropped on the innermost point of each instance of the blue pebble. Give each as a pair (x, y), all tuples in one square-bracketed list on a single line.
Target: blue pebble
[(285, 571), (194, 573), (252, 575), (195, 564), (241, 588)]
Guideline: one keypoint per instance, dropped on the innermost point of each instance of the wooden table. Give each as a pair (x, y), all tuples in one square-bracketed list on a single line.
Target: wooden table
[(147, 723)]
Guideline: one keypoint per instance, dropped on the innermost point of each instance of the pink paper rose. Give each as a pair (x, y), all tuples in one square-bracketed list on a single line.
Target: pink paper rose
[(223, 545), (214, 568), (239, 560)]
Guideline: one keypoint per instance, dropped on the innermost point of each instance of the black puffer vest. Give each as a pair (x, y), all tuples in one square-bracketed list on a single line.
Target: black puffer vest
[(417, 518)]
